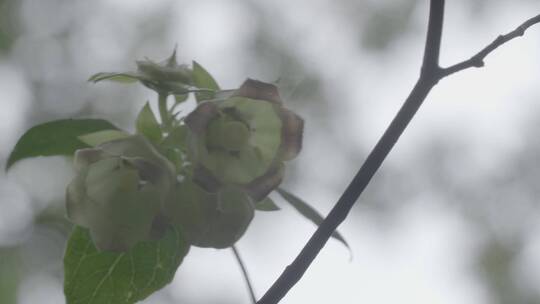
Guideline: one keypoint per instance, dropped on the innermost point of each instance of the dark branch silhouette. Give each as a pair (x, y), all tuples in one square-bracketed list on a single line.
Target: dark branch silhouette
[(430, 75)]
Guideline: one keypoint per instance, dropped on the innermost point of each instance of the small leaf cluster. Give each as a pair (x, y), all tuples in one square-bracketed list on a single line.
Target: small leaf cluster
[(140, 200)]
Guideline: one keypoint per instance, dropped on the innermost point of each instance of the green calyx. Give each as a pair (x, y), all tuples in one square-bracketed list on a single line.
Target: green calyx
[(207, 219), (167, 71)]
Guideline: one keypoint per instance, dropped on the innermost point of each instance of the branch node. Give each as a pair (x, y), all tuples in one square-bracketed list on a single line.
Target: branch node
[(478, 63)]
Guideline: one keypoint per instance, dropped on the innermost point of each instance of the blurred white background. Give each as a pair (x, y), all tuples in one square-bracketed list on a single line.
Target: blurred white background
[(450, 218)]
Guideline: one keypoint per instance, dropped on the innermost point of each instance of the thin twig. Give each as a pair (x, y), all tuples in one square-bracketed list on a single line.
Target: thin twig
[(245, 274), (430, 75), (478, 59)]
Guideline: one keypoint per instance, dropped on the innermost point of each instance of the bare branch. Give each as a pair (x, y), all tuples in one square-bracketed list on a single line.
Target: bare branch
[(478, 59), (430, 75)]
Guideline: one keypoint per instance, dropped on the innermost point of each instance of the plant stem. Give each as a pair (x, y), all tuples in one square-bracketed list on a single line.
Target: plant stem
[(163, 111), (245, 274)]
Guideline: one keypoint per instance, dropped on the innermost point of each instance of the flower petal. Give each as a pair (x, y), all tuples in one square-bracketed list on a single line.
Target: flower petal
[(198, 120), (255, 89), (84, 157), (291, 134), (263, 185)]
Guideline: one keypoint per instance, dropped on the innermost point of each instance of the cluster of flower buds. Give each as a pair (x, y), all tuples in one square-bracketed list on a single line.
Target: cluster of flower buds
[(234, 150)]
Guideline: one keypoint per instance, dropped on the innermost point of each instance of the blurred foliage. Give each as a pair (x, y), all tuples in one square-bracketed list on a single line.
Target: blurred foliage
[(8, 24), (386, 23), (9, 275)]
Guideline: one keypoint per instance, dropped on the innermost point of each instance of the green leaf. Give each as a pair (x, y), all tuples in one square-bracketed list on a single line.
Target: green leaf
[(97, 138), (308, 212), (93, 277), (267, 204), (203, 80), (148, 125), (59, 137), (129, 77)]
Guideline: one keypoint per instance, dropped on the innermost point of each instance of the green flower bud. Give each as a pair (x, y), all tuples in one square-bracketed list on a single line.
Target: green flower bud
[(166, 77), (119, 191), (243, 139), (165, 72), (207, 219)]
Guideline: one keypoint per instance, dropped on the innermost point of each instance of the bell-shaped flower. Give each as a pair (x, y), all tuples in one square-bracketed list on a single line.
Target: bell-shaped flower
[(119, 191), (243, 139)]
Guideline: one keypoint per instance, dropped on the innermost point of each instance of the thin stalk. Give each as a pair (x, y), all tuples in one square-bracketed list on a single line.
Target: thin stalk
[(245, 274), (163, 111)]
